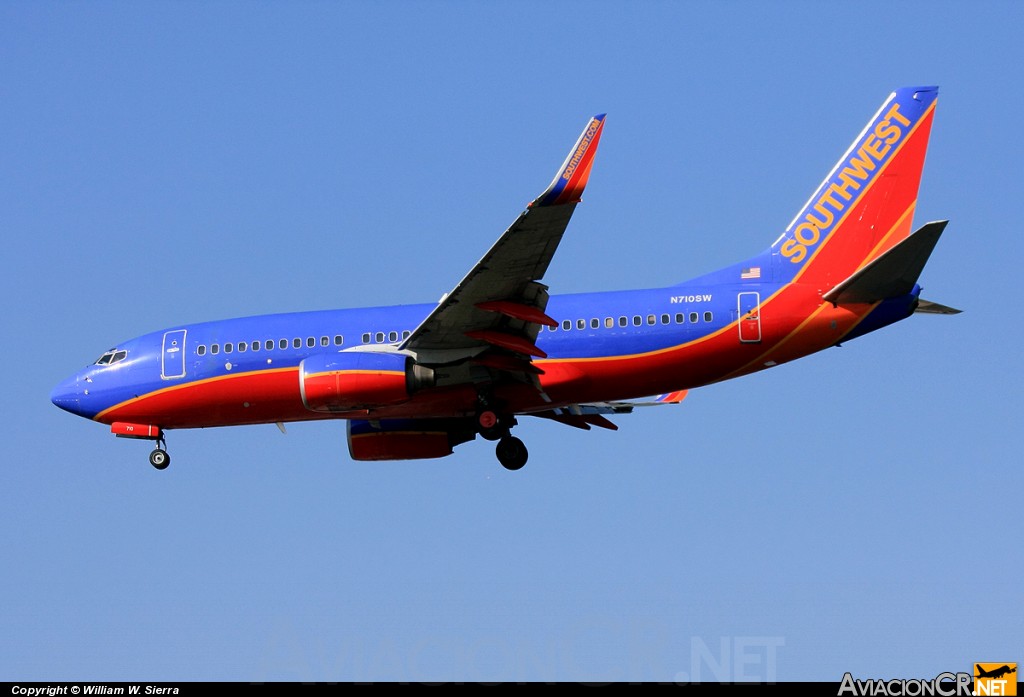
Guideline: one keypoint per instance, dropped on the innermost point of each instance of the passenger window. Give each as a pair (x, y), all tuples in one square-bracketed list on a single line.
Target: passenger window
[(366, 338), (297, 342), (324, 341), (339, 340), (379, 337), (310, 341), (392, 337), (595, 323), (609, 323), (637, 320), (581, 324), (651, 319), (242, 346), (680, 318), (201, 350), (406, 333), (282, 344), (215, 349), (694, 317), (665, 319), (566, 324), (708, 316), (269, 344), (553, 329), (255, 346), (228, 348), (623, 321)]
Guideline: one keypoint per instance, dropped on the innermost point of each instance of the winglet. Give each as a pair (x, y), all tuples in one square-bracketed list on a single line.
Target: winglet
[(568, 184), (672, 397)]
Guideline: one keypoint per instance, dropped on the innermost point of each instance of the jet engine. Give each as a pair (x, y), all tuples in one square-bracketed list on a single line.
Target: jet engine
[(336, 382), (406, 439)]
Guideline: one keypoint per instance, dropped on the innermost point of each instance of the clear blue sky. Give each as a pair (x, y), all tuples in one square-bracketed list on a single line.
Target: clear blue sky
[(177, 162)]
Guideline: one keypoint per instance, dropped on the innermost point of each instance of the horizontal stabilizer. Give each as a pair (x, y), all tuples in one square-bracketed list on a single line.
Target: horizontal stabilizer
[(927, 306), (894, 273)]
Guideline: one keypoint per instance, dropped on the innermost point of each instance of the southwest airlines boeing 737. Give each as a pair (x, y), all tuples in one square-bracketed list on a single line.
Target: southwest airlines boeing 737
[(414, 381)]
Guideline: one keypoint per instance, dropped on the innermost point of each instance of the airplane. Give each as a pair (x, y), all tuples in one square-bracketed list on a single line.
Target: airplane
[(415, 381), (996, 673)]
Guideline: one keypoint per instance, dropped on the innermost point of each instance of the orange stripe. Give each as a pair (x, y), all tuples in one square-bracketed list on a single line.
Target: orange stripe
[(762, 358), (187, 385), (876, 250), (354, 372)]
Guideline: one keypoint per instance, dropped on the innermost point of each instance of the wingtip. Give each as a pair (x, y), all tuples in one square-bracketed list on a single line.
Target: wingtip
[(573, 175), (673, 397)]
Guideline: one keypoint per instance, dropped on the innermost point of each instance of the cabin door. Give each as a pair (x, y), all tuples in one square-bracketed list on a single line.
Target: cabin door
[(749, 305), (172, 359)]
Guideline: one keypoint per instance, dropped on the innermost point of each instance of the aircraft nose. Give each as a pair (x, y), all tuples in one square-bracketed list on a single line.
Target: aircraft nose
[(66, 395)]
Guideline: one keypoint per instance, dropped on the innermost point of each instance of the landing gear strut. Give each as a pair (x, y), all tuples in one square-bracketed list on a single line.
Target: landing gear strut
[(511, 452), (159, 457)]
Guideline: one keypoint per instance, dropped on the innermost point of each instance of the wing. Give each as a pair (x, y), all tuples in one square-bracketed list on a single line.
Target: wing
[(495, 312), (593, 414)]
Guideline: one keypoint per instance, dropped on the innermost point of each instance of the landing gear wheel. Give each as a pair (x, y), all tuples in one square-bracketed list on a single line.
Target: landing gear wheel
[(490, 426), (486, 419), (159, 459), (511, 452)]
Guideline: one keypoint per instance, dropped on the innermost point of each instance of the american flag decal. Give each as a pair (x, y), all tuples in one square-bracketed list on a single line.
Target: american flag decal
[(752, 272)]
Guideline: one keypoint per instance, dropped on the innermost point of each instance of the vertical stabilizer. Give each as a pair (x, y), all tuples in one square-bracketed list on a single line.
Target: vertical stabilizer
[(866, 203)]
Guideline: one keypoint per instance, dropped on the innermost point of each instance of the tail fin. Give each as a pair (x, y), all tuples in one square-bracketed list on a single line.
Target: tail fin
[(865, 205)]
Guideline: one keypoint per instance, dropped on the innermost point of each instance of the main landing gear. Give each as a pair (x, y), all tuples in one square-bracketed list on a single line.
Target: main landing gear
[(511, 452), (159, 457)]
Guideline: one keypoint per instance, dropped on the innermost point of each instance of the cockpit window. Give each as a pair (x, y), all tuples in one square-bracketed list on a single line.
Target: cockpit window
[(112, 356)]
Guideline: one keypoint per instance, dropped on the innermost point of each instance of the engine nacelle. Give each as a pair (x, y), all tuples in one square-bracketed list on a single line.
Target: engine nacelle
[(331, 382), (406, 439)]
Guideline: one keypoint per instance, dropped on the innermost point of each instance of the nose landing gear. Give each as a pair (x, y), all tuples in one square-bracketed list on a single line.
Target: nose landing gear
[(159, 457)]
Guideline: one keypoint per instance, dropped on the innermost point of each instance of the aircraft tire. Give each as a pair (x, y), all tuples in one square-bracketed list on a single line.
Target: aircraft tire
[(159, 459), (486, 419), (512, 453), (490, 426)]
